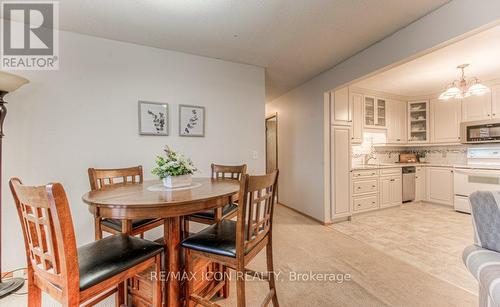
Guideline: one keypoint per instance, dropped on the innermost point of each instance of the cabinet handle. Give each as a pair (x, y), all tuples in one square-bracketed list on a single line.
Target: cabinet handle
[(373, 186), (373, 203)]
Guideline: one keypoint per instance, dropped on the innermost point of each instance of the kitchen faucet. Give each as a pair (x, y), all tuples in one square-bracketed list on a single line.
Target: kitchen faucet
[(369, 157)]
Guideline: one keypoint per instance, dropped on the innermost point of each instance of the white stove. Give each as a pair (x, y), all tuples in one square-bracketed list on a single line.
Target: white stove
[(482, 173)]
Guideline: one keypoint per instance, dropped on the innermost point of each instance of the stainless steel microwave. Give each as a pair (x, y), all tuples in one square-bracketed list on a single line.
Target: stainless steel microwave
[(485, 131)]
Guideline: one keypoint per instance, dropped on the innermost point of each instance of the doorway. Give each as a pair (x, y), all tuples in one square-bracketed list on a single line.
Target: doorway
[(272, 145)]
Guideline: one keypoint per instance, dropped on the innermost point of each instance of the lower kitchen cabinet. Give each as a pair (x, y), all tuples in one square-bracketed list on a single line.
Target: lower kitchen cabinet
[(391, 191), (365, 202), (364, 187), (439, 185), (420, 184), (341, 166)]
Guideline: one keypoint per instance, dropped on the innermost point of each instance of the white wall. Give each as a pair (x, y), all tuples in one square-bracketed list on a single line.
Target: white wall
[(301, 111), (85, 115)]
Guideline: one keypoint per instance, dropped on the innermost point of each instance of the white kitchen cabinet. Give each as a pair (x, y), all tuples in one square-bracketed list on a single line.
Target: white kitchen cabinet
[(495, 101), (476, 107), (375, 110), (340, 107), (418, 121), (445, 121), (391, 191), (341, 167), (396, 122), (357, 118), (439, 185), (420, 184)]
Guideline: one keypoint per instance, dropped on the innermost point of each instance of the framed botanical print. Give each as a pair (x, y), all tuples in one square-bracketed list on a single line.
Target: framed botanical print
[(191, 120), (153, 118)]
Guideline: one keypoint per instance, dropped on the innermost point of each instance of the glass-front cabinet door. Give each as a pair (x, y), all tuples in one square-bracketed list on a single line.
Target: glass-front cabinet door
[(418, 122), (381, 112), (369, 111), (375, 112)]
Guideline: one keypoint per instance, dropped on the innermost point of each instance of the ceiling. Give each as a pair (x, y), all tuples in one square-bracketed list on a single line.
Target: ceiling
[(294, 40), (431, 73)]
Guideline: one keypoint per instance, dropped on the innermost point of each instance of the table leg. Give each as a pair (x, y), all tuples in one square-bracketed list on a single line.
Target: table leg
[(172, 240)]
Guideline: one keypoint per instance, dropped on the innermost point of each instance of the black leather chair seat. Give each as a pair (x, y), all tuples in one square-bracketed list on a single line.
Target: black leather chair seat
[(218, 239), (112, 255), (117, 224), (210, 214)]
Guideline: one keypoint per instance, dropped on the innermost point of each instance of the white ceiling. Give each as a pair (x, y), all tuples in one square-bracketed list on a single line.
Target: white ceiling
[(293, 39), (431, 73)]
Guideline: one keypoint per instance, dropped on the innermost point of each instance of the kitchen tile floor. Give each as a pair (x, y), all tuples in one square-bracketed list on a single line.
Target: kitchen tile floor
[(429, 237)]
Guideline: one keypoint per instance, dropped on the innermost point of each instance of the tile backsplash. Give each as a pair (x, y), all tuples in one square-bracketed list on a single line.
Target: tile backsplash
[(456, 154)]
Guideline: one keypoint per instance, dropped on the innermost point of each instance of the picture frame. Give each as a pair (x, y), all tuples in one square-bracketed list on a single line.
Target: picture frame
[(154, 118), (191, 120)]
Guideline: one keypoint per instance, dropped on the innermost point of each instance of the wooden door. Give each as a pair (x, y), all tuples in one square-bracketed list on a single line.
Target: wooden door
[(341, 167), (445, 121), (476, 107), (340, 107), (440, 185), (271, 144), (357, 118)]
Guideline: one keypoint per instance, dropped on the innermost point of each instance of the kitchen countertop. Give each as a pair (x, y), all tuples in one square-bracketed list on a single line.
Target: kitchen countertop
[(394, 165)]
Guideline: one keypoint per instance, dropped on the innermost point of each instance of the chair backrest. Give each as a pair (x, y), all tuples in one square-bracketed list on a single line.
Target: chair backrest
[(228, 172), (102, 178), (257, 198), (48, 233)]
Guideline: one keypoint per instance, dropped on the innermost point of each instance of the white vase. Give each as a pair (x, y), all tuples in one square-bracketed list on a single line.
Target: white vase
[(177, 181)]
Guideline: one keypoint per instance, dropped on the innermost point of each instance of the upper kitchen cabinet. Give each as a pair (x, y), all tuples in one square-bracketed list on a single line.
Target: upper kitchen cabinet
[(396, 122), (476, 107), (495, 101), (375, 110), (340, 105), (357, 118), (418, 122), (445, 121)]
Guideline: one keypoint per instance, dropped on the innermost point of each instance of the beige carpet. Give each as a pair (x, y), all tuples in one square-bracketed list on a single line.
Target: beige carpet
[(302, 245)]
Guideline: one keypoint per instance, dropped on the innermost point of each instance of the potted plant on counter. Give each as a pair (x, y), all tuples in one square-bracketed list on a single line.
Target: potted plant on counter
[(174, 169), (422, 156)]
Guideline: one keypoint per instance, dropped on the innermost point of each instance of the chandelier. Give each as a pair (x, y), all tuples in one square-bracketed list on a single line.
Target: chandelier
[(464, 87)]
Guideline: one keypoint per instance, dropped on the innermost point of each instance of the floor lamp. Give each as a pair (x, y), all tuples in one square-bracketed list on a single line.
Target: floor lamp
[(8, 84)]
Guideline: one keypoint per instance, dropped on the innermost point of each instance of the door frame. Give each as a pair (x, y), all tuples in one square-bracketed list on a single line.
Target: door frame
[(269, 117)]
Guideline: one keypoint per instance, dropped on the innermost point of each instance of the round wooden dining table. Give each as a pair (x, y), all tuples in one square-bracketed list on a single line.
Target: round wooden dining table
[(150, 200)]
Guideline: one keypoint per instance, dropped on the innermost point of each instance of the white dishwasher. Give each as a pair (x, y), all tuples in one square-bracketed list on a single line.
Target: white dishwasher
[(482, 173)]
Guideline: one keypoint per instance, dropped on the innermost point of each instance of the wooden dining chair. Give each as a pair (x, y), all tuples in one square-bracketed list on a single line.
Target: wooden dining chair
[(71, 275), (235, 243), (209, 217), (104, 178)]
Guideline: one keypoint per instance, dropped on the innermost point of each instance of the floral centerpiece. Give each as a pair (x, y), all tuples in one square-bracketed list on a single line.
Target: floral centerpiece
[(174, 169)]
